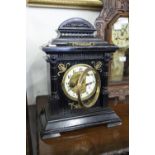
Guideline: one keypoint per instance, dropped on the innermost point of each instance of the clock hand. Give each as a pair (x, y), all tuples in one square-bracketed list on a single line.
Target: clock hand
[(73, 84), (89, 83)]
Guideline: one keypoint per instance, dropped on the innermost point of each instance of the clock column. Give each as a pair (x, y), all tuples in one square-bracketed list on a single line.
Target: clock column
[(54, 97), (107, 57)]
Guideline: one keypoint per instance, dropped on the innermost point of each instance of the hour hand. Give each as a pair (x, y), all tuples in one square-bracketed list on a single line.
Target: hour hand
[(73, 84)]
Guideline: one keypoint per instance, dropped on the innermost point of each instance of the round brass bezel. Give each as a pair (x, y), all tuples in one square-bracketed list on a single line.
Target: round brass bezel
[(92, 100)]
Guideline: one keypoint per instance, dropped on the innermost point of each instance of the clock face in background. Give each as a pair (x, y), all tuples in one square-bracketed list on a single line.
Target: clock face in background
[(71, 78), (120, 32), (120, 37)]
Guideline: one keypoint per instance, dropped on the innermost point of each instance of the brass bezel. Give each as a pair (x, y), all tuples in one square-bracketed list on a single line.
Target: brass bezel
[(90, 95), (92, 100)]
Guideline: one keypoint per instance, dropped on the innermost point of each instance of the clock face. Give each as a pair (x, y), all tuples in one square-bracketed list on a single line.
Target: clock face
[(70, 82)]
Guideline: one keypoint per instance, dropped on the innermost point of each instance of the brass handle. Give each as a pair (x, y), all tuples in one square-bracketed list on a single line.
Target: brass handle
[(90, 102)]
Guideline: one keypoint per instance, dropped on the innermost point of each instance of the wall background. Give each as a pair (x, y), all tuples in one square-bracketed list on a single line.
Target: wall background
[(42, 24)]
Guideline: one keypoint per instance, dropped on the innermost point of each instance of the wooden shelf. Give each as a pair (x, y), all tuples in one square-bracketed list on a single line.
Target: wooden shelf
[(93, 140)]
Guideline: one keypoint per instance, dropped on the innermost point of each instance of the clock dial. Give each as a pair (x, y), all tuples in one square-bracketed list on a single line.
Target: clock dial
[(70, 82)]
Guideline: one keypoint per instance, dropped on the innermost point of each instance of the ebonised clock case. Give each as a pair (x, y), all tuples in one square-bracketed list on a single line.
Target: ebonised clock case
[(58, 116)]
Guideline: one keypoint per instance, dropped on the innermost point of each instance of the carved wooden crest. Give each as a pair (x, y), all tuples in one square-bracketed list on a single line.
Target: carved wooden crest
[(111, 9)]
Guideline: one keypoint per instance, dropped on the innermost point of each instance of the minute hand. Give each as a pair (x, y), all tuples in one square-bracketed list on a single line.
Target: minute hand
[(89, 83)]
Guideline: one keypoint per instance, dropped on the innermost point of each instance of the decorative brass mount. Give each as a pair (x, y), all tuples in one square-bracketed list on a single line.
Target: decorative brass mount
[(62, 68)]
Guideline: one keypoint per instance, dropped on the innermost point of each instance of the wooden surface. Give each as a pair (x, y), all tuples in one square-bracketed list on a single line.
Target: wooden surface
[(28, 132), (88, 141)]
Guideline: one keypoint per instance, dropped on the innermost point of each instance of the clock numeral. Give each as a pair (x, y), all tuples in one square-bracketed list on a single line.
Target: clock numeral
[(69, 76), (80, 69)]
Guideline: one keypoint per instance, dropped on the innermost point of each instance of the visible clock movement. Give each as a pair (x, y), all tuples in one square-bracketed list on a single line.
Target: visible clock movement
[(79, 74)]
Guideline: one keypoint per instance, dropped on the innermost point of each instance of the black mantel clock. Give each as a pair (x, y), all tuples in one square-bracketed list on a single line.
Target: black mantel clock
[(79, 74)]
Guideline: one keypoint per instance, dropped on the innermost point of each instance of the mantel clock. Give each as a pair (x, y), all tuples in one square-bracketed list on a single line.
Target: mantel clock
[(79, 74)]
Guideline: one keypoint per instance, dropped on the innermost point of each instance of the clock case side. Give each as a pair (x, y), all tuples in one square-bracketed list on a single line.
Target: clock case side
[(71, 48)]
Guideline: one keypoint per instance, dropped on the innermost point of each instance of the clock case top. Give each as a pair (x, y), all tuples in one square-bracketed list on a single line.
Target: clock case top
[(77, 35), (76, 44)]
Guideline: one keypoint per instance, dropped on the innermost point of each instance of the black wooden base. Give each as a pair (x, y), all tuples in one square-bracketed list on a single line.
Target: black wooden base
[(52, 125)]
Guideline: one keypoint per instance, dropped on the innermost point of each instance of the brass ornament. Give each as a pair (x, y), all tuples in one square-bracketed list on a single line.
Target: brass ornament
[(82, 44), (91, 101), (62, 68), (74, 105), (97, 65)]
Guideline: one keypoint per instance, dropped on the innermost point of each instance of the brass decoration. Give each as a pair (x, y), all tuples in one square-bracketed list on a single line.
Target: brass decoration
[(91, 101), (74, 80), (82, 44), (97, 65), (62, 68), (75, 105), (80, 4)]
